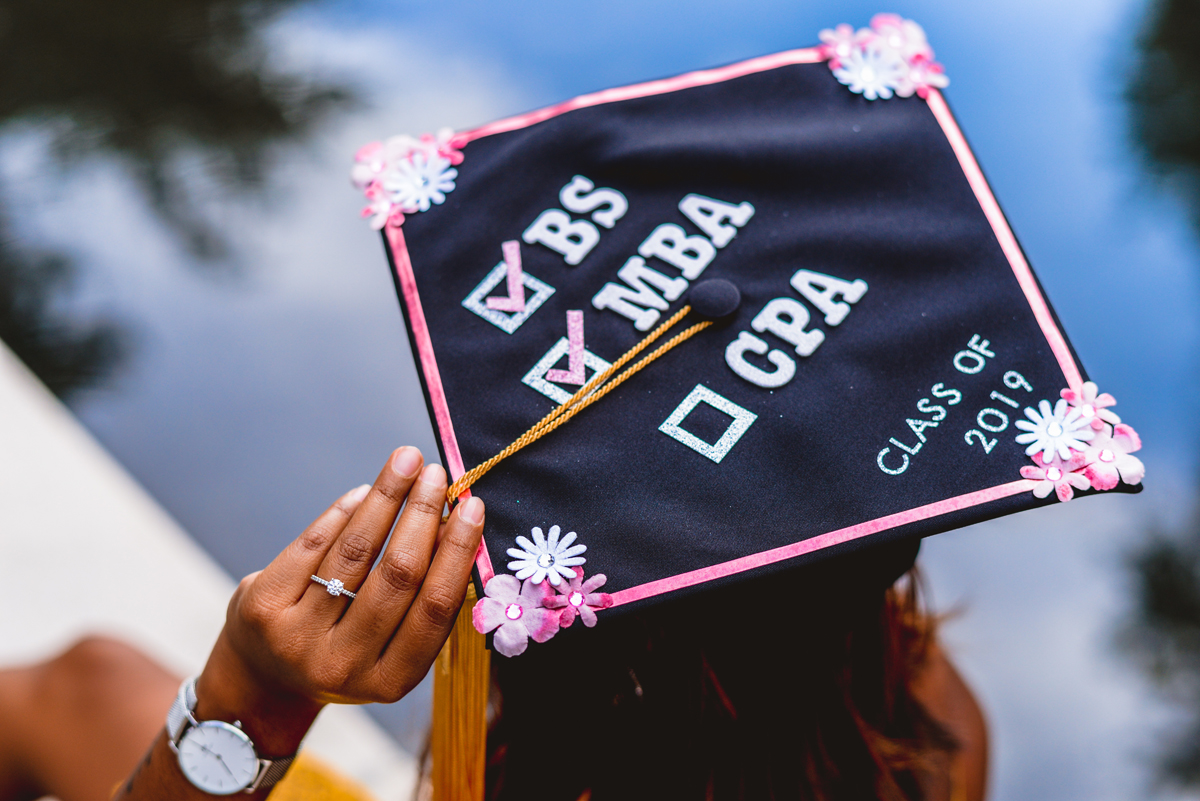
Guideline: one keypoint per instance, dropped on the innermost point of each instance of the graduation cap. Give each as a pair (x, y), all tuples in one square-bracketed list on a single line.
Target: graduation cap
[(691, 332)]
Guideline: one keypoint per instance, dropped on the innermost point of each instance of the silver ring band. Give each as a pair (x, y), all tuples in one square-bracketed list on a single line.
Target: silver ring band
[(334, 587)]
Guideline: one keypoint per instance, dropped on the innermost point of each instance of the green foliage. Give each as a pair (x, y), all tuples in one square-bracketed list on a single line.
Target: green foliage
[(182, 93), (67, 355), (1164, 638), (1164, 97), (147, 81)]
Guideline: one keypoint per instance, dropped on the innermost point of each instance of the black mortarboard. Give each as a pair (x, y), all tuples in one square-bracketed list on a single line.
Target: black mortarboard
[(879, 361)]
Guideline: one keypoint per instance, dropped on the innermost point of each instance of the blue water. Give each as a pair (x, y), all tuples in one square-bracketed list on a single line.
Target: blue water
[(252, 400)]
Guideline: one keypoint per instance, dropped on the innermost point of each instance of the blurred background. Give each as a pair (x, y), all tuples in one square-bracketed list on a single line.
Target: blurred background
[(182, 262)]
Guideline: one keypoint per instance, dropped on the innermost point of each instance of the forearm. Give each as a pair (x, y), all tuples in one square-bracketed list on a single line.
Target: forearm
[(276, 721)]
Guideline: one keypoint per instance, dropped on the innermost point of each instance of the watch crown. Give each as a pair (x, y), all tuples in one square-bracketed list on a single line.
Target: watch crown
[(237, 723)]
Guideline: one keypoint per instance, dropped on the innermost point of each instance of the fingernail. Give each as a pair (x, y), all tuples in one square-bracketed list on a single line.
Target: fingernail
[(357, 494), (406, 461), (433, 474), (472, 511)]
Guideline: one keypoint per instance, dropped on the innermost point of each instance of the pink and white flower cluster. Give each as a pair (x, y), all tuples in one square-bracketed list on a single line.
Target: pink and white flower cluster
[(1079, 444), (520, 611), (892, 57), (405, 175)]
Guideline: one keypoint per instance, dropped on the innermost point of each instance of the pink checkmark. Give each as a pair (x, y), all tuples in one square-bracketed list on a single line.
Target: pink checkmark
[(574, 372), (515, 302)]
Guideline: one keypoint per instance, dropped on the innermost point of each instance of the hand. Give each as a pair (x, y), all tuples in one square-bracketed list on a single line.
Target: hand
[(288, 647)]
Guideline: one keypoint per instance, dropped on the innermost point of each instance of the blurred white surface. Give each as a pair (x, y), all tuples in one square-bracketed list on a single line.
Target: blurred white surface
[(84, 549)]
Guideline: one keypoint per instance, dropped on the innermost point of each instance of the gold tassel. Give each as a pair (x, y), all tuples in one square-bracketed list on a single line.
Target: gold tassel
[(461, 682)]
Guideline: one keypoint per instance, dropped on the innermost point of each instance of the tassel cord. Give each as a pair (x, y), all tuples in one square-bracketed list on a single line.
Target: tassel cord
[(592, 391)]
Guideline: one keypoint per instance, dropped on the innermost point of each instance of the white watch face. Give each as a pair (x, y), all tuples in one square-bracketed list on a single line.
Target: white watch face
[(218, 758)]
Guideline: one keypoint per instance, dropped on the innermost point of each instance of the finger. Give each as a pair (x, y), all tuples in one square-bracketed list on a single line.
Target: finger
[(355, 549), (287, 577), (247, 583), (432, 614), (395, 581)]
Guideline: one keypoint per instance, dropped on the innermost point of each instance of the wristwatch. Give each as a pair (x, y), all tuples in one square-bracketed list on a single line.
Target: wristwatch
[(215, 756)]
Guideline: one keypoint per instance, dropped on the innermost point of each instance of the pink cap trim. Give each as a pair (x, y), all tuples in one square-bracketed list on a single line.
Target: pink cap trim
[(1008, 242), (433, 378), (809, 55), (820, 542)]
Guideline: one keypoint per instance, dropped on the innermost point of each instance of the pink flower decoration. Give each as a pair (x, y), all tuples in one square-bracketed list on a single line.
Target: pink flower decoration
[(902, 35), (515, 612), (445, 143), (1057, 475), (892, 57), (377, 212), (369, 153), (841, 41), (369, 163), (1108, 457), (380, 210), (394, 163), (1092, 406), (579, 597), (396, 218), (1100, 453), (924, 75)]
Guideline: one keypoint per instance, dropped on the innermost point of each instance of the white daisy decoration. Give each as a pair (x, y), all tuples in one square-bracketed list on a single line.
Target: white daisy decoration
[(1054, 431), (544, 558), (873, 72), (1092, 404), (892, 58), (420, 180)]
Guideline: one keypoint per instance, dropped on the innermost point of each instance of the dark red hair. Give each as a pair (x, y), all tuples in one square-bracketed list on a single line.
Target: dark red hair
[(795, 689)]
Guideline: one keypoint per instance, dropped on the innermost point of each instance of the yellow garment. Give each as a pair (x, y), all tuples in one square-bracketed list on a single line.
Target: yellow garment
[(310, 779)]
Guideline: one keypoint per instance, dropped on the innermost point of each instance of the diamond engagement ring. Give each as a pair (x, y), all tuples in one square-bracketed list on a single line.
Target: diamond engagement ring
[(334, 587)]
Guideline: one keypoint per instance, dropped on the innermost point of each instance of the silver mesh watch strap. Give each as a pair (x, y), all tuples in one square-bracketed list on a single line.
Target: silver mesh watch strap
[(270, 771), (181, 710)]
